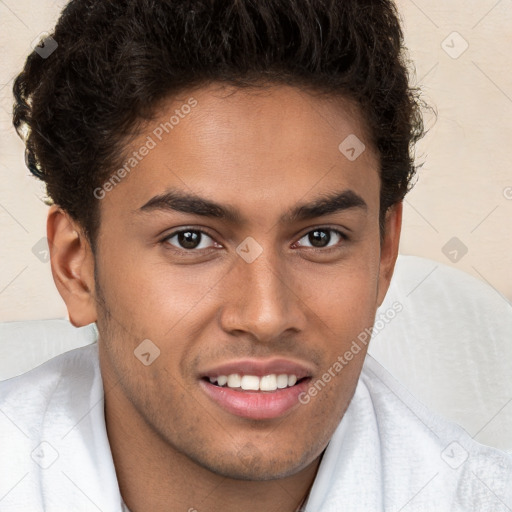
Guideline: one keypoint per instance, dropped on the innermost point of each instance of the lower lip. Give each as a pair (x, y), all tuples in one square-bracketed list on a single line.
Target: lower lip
[(256, 405)]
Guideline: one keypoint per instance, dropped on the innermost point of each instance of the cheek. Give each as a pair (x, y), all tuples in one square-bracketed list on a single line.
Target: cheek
[(147, 291), (345, 295)]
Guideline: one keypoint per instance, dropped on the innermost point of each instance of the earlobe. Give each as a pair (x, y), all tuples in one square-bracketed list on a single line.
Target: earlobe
[(389, 249), (72, 265)]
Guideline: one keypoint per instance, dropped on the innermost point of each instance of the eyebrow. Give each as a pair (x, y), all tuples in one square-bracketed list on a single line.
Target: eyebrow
[(184, 202)]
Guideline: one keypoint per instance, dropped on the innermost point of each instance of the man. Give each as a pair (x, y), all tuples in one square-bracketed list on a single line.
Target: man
[(227, 182)]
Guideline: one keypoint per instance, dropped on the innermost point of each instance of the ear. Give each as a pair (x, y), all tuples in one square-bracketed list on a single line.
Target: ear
[(389, 249), (72, 264)]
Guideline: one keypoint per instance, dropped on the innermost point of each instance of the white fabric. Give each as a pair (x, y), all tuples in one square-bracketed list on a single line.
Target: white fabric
[(388, 454), (450, 346), (25, 345)]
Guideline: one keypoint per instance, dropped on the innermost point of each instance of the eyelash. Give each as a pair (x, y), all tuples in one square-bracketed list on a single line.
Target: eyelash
[(165, 241)]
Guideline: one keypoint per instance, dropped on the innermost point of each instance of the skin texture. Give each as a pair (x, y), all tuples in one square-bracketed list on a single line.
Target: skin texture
[(261, 152)]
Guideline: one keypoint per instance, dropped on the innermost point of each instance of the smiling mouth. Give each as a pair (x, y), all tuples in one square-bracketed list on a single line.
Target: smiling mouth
[(266, 383), (256, 397)]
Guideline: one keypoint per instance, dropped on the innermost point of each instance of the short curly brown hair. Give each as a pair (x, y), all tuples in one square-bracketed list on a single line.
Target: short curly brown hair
[(117, 59)]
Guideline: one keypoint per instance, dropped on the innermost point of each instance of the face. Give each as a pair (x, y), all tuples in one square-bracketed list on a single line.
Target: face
[(243, 245)]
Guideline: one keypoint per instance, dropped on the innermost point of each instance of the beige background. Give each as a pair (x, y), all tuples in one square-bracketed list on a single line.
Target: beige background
[(464, 189)]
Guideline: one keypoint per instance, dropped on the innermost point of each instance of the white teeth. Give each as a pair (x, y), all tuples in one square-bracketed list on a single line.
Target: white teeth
[(254, 383), (250, 383), (268, 383), (282, 381), (292, 380), (234, 380)]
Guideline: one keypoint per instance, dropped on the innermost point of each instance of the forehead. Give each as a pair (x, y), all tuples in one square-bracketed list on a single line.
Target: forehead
[(261, 148)]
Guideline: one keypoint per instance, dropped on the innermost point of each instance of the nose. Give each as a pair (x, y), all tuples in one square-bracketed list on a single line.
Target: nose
[(262, 299)]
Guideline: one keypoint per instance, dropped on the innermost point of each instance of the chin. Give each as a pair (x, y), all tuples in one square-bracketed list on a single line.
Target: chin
[(251, 464)]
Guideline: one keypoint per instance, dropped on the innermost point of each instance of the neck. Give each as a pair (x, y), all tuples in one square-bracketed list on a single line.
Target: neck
[(152, 475)]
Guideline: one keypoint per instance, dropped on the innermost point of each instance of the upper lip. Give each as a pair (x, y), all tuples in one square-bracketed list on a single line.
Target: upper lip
[(260, 368)]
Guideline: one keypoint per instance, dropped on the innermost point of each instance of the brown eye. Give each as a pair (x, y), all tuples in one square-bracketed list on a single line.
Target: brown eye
[(321, 238), (189, 239)]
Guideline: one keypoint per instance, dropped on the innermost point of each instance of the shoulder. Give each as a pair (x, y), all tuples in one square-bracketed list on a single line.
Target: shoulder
[(390, 451), (53, 439), (41, 413), (27, 399), (62, 381)]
